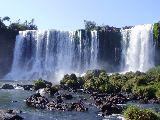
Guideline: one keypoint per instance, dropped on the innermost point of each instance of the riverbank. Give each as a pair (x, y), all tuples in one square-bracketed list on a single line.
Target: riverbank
[(95, 95)]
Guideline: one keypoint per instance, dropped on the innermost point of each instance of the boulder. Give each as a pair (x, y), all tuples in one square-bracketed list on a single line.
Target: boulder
[(37, 101), (10, 115), (67, 96), (7, 86), (46, 91), (69, 106)]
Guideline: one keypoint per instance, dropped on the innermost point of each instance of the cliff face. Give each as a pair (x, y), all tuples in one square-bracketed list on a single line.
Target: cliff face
[(110, 50), (109, 54), (7, 43)]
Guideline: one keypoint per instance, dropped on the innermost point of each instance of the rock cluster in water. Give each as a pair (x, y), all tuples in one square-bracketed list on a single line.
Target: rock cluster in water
[(38, 101), (10, 115)]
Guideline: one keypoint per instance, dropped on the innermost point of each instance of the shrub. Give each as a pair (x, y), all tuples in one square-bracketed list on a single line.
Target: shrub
[(128, 85), (153, 71), (118, 81), (93, 73), (158, 94), (134, 113), (39, 83), (69, 80), (145, 91), (141, 80)]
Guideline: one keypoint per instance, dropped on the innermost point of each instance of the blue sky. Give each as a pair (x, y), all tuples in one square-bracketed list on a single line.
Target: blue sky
[(70, 14)]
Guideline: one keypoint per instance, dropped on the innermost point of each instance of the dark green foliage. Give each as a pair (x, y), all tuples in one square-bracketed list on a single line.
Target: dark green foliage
[(80, 81), (128, 86), (70, 81), (6, 18), (39, 83), (145, 91), (93, 73), (153, 71), (155, 31), (158, 94), (100, 84), (141, 80), (118, 81), (17, 25), (135, 113), (89, 25)]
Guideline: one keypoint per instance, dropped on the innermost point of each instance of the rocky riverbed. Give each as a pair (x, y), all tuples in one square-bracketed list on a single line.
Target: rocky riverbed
[(67, 104)]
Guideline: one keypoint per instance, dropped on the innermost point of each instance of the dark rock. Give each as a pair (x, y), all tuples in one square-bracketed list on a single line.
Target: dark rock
[(67, 96), (105, 107), (69, 106), (10, 115), (47, 91), (25, 87), (154, 100), (58, 100), (94, 96), (37, 101), (143, 101), (7, 86), (57, 93)]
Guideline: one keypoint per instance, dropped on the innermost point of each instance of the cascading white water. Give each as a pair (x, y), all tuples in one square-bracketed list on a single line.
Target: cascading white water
[(137, 48), (45, 53)]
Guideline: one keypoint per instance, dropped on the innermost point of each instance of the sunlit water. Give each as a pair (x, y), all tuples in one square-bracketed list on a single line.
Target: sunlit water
[(29, 113)]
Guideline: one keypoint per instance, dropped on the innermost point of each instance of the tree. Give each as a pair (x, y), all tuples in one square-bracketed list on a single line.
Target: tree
[(89, 25), (6, 18)]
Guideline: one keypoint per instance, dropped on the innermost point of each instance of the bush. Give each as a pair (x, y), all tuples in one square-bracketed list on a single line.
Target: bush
[(93, 73), (145, 91), (158, 94), (153, 71), (128, 85), (39, 83), (100, 83), (141, 80), (69, 80), (118, 81), (134, 113)]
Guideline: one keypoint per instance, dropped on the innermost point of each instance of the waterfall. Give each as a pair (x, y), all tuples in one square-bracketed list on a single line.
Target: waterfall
[(137, 48), (49, 53)]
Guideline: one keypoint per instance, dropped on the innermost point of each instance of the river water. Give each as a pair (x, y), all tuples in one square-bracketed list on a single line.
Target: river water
[(29, 113)]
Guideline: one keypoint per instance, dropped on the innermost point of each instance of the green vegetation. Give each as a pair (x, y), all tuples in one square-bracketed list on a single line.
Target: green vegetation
[(139, 83), (155, 31), (72, 81), (136, 113), (17, 25), (153, 71), (145, 91), (100, 83), (39, 83), (89, 25)]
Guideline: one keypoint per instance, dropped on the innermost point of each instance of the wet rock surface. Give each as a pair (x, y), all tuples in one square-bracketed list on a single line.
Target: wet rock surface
[(108, 104), (7, 86), (46, 91), (25, 87), (10, 115), (37, 101), (69, 106)]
